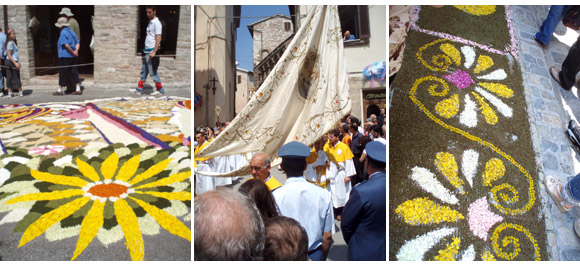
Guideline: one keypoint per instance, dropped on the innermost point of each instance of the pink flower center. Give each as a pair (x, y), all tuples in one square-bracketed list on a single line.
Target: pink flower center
[(481, 219), (461, 79)]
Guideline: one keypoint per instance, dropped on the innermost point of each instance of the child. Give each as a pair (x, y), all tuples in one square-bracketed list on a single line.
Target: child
[(12, 64)]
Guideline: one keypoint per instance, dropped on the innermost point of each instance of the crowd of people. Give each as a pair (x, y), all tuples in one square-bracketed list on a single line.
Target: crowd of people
[(340, 177)]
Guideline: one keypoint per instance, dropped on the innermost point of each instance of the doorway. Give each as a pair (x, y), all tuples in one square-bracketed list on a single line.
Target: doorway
[(45, 37)]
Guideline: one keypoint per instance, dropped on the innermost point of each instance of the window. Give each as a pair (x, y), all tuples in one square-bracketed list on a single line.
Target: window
[(356, 20), (239, 79), (287, 26), (170, 16)]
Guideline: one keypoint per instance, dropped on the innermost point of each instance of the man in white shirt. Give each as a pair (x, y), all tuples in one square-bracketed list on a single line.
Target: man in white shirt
[(150, 60), (305, 202)]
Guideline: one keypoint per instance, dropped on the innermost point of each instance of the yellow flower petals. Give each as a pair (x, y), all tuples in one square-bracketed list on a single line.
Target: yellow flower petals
[(499, 89), (129, 168), (55, 195), (90, 227), (494, 170), (513, 241), (58, 179), (452, 52), (109, 166), (87, 170), (488, 113), (168, 180), (449, 107), (130, 226), (425, 211), (50, 218), (448, 254), (487, 256), (477, 10), (152, 171), (167, 221), (445, 162), (483, 62), (183, 195)]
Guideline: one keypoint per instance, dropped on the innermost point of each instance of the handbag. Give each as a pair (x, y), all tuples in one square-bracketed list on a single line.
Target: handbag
[(572, 18)]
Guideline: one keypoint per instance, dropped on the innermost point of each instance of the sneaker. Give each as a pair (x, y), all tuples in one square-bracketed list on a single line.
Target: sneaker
[(10, 95), (136, 91), (574, 133), (21, 94), (1, 94), (158, 92)]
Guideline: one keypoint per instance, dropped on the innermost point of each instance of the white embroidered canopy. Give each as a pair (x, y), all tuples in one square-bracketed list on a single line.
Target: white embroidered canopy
[(304, 96)]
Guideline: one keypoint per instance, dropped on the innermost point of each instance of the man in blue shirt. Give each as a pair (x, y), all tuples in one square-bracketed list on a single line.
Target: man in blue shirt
[(67, 56), (364, 216), (305, 202)]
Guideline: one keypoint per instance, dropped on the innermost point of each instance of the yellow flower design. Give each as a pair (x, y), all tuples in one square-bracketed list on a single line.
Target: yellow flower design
[(97, 187), (476, 82), (479, 10), (423, 211)]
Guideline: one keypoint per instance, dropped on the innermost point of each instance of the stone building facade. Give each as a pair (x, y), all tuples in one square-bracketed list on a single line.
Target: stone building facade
[(117, 63), (244, 88), (268, 33)]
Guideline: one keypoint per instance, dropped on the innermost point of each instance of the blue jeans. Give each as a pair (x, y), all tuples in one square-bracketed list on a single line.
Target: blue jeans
[(571, 192), (149, 67), (549, 25)]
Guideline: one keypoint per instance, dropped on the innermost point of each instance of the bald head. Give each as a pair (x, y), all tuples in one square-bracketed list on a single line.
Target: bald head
[(227, 226), (260, 165)]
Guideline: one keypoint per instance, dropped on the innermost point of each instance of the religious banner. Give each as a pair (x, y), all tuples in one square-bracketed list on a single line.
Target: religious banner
[(304, 96)]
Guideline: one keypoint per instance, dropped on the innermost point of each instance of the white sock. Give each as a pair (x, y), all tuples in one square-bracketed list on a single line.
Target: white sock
[(59, 89), (78, 88)]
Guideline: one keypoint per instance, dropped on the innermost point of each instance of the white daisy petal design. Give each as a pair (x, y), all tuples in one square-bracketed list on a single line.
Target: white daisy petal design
[(469, 165), (468, 254), (426, 180), (15, 216), (501, 107), (498, 74), (468, 116), (415, 249), (469, 53)]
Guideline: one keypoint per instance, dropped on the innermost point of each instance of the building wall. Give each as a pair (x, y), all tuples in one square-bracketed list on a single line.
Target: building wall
[(115, 60), (213, 59), (269, 34), (115, 56), (243, 89)]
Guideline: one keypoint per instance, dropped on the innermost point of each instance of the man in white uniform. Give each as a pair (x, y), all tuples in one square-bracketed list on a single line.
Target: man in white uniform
[(305, 202)]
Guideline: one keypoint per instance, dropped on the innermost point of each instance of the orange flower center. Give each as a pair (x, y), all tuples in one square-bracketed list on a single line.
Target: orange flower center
[(108, 190)]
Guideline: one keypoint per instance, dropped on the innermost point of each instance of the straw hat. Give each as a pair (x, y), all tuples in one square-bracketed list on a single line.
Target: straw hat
[(66, 11), (61, 22)]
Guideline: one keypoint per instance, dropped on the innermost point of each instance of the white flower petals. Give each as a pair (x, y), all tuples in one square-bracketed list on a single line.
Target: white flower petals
[(501, 107), (469, 53), (468, 116), (468, 254), (469, 162), (498, 74), (414, 250), (426, 180)]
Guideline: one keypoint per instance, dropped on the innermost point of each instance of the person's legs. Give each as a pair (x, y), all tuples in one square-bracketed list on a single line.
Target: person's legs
[(62, 75), (75, 75), (9, 77), (153, 64), (570, 66), (549, 25), (143, 77)]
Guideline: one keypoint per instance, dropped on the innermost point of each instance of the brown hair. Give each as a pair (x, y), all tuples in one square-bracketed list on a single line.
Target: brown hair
[(8, 39), (285, 240), (258, 191)]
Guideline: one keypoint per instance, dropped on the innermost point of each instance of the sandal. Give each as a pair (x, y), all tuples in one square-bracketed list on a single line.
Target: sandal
[(56, 93), (550, 183), (555, 73)]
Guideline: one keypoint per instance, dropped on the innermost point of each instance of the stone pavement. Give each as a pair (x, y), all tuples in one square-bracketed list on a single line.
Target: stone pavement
[(550, 108)]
